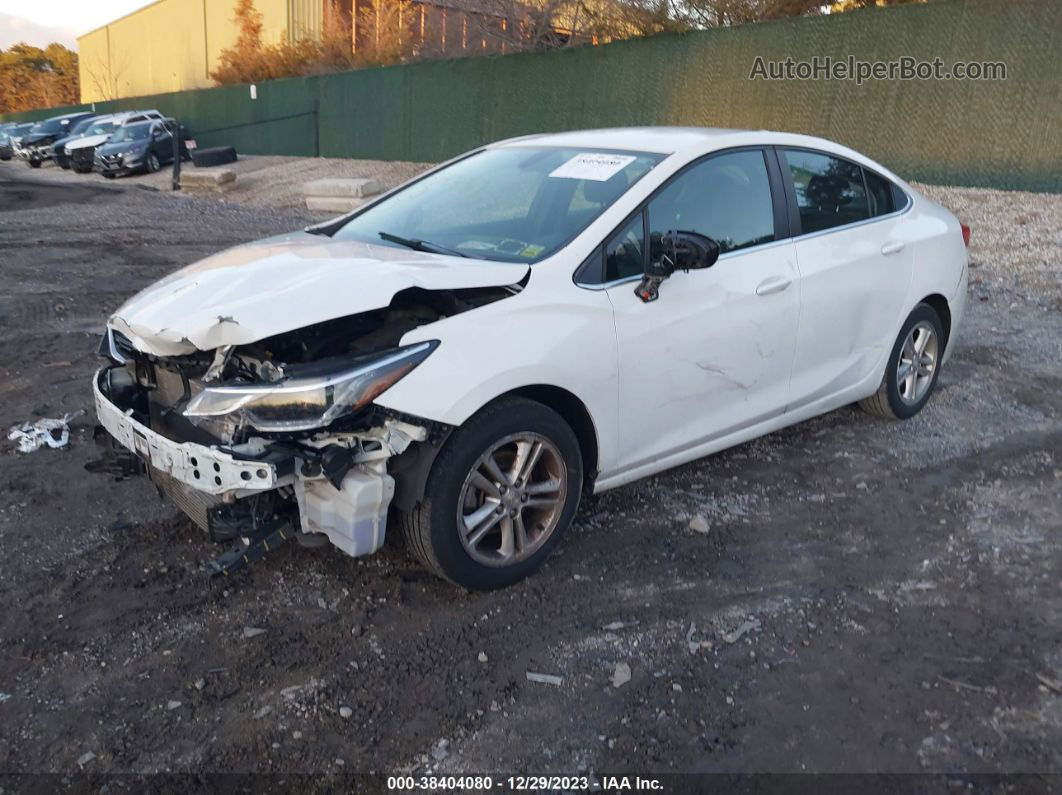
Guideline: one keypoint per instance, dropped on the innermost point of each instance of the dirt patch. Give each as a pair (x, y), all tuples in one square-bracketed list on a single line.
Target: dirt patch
[(897, 582), (15, 195)]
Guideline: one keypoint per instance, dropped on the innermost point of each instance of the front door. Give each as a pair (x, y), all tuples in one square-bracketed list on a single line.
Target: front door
[(713, 354)]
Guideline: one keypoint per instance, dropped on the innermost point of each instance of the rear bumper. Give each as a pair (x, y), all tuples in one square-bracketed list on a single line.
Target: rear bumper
[(957, 304)]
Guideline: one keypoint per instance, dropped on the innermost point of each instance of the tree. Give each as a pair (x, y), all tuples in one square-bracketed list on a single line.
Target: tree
[(31, 77), (393, 31), (243, 62), (105, 74)]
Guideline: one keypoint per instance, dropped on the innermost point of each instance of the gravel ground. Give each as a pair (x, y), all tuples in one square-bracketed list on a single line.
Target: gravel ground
[(1016, 240), (868, 596), (261, 180)]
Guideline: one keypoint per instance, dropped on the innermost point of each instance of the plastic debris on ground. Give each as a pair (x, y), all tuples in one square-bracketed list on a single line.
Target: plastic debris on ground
[(54, 433)]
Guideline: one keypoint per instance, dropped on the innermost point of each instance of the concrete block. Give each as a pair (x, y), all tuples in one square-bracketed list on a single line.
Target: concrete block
[(347, 188), (333, 204), (208, 179)]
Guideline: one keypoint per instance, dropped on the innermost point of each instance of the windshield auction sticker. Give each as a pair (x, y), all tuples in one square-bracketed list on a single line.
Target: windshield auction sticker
[(592, 165)]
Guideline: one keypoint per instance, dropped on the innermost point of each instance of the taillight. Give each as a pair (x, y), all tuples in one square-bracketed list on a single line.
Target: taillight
[(965, 234)]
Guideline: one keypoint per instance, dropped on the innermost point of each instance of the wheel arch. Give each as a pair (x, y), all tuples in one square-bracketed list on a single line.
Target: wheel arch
[(412, 468), (940, 305), (574, 412)]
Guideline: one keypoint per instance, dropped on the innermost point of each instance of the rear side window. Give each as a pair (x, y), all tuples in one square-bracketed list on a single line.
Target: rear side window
[(881, 195), (829, 190)]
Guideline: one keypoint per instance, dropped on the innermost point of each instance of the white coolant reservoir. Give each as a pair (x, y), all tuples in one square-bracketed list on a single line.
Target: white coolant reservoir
[(354, 516)]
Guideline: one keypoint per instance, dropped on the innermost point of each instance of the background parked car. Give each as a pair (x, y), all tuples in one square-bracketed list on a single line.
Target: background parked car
[(15, 135), (143, 146), (79, 130), (82, 151), (38, 141), (5, 141)]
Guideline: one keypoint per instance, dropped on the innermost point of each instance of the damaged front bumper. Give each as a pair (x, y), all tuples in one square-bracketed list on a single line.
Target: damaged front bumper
[(202, 468), (335, 484)]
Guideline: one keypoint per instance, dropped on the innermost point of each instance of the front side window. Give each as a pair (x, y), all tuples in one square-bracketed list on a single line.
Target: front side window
[(829, 191), (726, 197), (514, 204), (625, 252)]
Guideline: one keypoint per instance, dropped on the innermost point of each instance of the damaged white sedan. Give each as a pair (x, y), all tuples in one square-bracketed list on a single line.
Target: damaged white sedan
[(469, 353)]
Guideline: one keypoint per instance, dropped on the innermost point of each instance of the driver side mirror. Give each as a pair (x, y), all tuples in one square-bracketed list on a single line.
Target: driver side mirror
[(676, 250)]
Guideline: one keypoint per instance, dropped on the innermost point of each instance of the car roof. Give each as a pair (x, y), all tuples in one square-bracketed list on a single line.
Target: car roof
[(689, 141), (662, 140), (65, 116)]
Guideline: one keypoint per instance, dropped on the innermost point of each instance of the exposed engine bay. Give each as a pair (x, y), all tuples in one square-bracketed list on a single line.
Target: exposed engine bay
[(283, 430)]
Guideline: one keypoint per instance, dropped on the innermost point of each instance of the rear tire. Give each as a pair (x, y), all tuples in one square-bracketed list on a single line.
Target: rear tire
[(913, 368), (34, 163), (494, 535)]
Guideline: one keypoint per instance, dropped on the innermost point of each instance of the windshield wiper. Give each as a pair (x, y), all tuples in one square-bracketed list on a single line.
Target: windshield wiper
[(421, 245)]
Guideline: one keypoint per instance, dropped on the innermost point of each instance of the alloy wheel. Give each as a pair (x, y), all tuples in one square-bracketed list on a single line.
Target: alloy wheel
[(918, 363), (512, 499)]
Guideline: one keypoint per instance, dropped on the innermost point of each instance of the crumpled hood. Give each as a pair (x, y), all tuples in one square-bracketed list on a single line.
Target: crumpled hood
[(38, 139), (89, 140), (285, 283)]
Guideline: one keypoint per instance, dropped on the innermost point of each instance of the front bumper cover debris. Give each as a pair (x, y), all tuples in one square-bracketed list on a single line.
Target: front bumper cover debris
[(195, 465)]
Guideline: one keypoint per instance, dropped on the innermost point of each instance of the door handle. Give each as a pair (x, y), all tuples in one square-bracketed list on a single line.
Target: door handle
[(894, 247), (773, 285)]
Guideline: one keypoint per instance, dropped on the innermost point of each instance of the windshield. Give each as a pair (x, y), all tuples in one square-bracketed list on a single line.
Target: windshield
[(49, 126), (100, 127), (81, 126), (131, 132), (515, 204)]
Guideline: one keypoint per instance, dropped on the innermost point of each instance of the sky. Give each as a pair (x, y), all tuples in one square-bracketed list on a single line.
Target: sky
[(40, 23)]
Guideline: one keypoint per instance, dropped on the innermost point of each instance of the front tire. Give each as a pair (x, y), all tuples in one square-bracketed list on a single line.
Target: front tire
[(500, 495), (34, 163), (913, 367), (153, 163)]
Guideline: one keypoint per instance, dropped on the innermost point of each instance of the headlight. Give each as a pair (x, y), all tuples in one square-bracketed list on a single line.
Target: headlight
[(300, 404)]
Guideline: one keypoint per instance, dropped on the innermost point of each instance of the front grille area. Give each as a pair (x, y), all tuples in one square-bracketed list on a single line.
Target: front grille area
[(82, 157), (195, 504)]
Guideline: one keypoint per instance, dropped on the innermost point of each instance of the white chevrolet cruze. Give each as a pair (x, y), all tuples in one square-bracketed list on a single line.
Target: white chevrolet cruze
[(557, 313)]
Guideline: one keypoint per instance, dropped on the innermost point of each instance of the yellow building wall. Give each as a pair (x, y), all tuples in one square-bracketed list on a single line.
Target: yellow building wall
[(173, 45)]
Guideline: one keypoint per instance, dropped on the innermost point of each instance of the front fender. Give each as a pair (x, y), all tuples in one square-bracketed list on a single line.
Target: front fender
[(526, 340)]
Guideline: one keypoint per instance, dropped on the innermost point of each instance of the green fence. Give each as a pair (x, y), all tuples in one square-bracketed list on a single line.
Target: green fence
[(1002, 133)]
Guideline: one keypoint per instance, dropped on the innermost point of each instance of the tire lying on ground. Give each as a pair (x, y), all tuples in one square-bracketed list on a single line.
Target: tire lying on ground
[(214, 156)]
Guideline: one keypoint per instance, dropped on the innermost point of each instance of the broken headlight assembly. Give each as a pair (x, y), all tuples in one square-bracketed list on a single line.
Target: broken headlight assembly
[(302, 402)]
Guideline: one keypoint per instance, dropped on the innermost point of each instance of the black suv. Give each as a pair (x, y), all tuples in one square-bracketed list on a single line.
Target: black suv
[(74, 132), (38, 141)]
